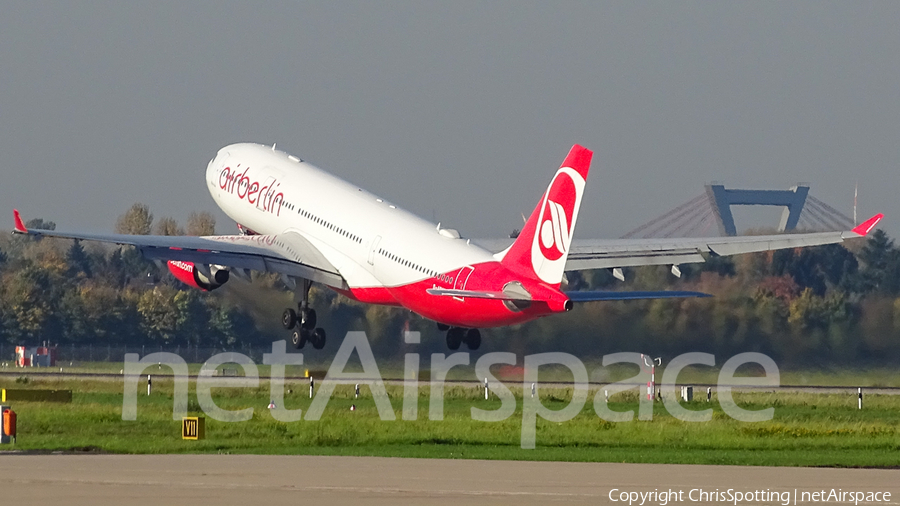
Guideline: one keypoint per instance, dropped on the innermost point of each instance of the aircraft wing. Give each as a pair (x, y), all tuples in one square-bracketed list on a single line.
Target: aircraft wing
[(611, 253), (573, 296), (290, 253)]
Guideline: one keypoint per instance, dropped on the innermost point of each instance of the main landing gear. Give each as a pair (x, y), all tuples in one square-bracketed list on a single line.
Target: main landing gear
[(459, 335), (304, 319)]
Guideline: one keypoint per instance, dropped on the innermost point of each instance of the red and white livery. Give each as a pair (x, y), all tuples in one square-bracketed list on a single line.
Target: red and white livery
[(310, 226)]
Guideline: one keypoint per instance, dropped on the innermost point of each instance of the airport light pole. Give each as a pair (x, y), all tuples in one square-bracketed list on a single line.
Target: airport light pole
[(651, 363)]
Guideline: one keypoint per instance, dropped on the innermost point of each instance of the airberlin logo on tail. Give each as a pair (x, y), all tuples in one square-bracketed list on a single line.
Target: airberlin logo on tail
[(554, 231), (264, 196), (555, 224)]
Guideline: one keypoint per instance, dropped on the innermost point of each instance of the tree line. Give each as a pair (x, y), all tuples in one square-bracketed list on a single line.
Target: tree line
[(829, 304), (67, 292)]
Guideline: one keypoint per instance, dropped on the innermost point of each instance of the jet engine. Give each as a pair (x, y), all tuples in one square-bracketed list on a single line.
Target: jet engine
[(200, 276)]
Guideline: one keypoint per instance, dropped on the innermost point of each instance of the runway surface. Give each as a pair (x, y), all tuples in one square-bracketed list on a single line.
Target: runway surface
[(200, 480)]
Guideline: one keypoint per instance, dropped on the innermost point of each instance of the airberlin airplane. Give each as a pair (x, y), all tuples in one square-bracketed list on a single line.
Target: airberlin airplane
[(312, 227)]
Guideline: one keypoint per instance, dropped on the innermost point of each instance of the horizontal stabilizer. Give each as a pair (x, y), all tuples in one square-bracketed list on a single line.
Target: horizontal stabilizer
[(573, 296), (605, 295), (476, 294)]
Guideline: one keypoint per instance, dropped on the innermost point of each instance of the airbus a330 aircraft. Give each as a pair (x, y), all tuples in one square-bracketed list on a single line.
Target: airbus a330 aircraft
[(310, 226)]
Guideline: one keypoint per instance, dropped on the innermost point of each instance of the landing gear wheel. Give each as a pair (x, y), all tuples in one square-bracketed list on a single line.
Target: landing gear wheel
[(303, 321), (454, 337), (299, 338), (308, 318), (289, 318), (318, 338), (443, 328), (473, 339)]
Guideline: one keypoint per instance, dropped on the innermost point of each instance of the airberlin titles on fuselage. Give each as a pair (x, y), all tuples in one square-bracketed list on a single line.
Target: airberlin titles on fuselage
[(264, 196)]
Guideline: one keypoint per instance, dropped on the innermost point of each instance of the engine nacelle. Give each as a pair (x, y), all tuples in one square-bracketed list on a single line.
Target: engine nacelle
[(202, 277)]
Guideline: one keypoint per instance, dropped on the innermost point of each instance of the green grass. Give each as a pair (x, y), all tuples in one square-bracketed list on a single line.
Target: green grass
[(807, 429)]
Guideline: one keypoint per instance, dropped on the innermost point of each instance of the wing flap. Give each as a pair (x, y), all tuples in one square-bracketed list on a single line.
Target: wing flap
[(600, 260)]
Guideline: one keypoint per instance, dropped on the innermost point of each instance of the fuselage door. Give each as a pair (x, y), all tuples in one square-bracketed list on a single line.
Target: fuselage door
[(374, 249), (266, 193), (462, 277)]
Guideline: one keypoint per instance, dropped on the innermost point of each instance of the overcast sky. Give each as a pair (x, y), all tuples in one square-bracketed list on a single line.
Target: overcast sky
[(458, 111)]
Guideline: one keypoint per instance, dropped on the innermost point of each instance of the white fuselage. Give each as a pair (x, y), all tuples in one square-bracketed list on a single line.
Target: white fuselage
[(372, 242)]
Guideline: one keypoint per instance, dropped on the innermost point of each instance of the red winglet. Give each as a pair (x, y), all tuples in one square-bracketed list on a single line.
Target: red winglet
[(579, 158), (868, 225), (20, 226)]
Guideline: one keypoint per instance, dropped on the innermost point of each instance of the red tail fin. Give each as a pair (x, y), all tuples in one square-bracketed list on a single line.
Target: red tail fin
[(541, 249)]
